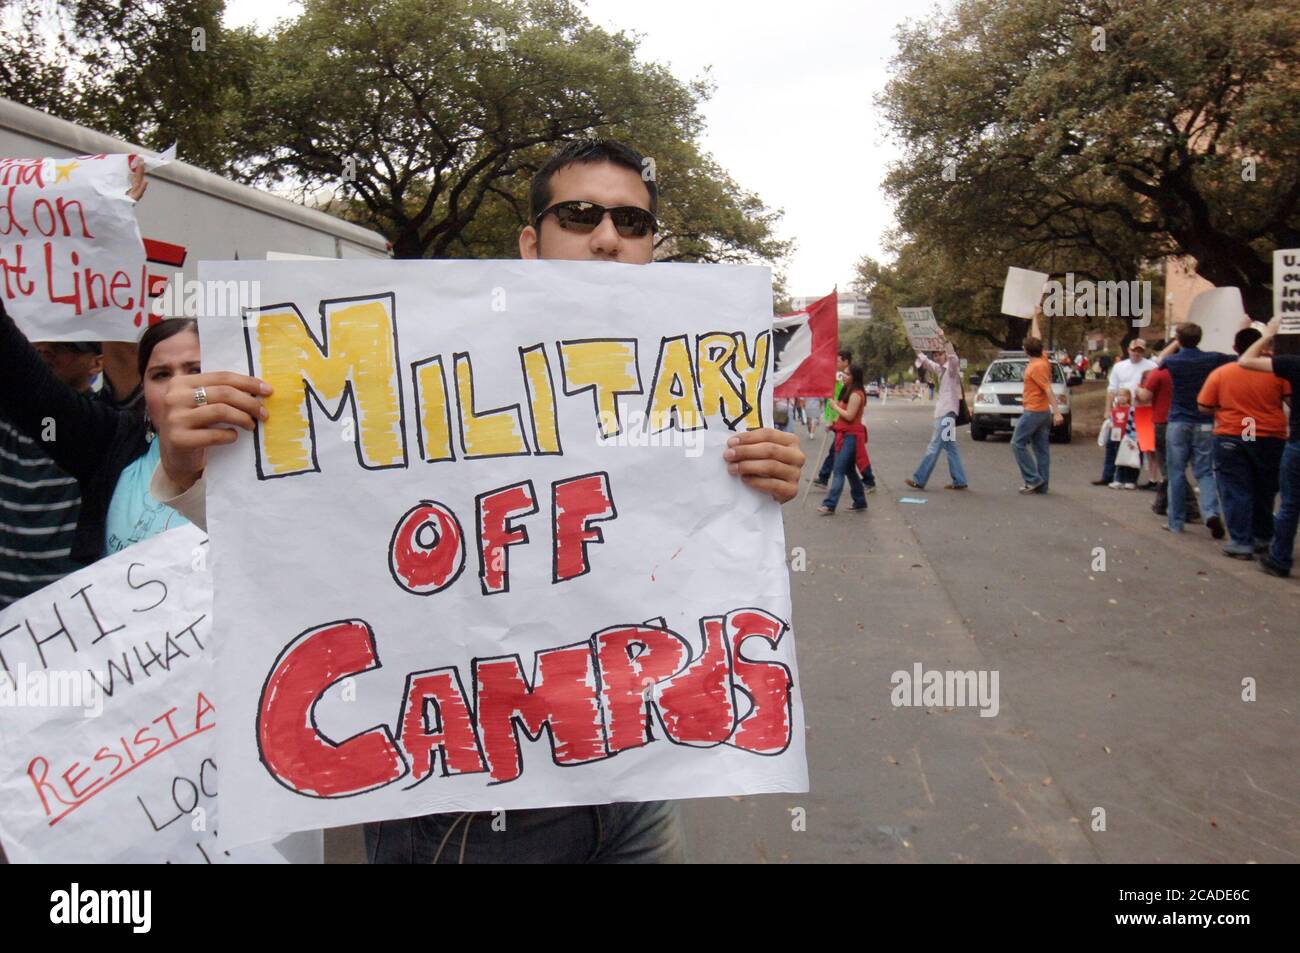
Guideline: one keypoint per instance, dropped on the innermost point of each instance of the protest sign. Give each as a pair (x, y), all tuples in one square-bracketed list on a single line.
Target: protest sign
[(106, 716), (922, 329), (485, 552), (72, 265), (1022, 292), (1286, 299), (1220, 313), (1144, 422)]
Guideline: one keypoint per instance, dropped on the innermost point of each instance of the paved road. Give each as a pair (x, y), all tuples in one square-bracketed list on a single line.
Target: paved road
[(1119, 689)]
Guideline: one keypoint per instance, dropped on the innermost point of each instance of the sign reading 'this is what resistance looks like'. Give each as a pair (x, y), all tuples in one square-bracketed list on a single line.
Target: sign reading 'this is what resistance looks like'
[(485, 553)]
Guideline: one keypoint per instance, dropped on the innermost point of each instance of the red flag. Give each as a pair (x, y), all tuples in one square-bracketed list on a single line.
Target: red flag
[(805, 344)]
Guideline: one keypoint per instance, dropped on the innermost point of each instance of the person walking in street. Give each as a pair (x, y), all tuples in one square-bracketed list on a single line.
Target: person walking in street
[(1280, 556), (850, 445), (1041, 414), (1189, 438), (946, 368), (830, 416), (1124, 375), (1249, 438)]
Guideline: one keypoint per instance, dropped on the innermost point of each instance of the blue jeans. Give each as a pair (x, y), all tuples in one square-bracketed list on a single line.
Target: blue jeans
[(1108, 467), (1288, 512), (1034, 427), (1245, 472), (824, 475), (629, 833), (945, 426), (846, 466), (1190, 443)]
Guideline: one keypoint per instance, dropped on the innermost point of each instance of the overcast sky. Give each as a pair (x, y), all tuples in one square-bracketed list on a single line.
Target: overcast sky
[(793, 117)]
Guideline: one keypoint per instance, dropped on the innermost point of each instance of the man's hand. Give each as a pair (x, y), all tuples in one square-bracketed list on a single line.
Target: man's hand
[(768, 460), (188, 429), (1058, 418), (138, 184)]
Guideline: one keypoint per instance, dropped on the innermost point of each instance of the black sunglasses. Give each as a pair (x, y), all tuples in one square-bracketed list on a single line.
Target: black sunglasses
[(583, 217)]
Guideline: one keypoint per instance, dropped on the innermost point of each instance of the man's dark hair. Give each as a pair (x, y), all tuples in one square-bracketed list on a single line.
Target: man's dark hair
[(1034, 346), (1189, 335), (588, 151), (1245, 338), (846, 355)]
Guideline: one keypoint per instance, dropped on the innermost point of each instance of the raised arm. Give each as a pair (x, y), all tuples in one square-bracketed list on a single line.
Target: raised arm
[(1253, 357), (923, 360), (75, 431)]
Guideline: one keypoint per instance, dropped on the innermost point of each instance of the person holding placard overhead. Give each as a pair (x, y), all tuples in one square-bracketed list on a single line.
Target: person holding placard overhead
[(947, 368), (1280, 556), (1041, 414), (1189, 438), (1249, 438), (108, 448), (590, 202)]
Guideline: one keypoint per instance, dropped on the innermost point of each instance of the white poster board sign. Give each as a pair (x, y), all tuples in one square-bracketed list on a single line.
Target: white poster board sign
[(107, 716), (922, 329), (486, 553), (1286, 299), (72, 265), (1022, 292), (1220, 313)]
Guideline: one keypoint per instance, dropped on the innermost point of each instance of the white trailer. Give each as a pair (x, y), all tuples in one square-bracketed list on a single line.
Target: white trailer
[(190, 215)]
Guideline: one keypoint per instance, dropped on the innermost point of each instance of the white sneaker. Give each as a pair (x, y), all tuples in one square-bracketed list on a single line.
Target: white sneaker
[(1130, 486), (1116, 485)]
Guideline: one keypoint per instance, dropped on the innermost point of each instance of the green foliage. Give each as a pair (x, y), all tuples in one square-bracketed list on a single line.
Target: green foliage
[(425, 119), (1093, 136), (130, 68)]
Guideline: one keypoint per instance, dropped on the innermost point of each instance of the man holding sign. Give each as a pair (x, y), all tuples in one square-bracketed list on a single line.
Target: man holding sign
[(595, 698), (1280, 557), (1041, 414)]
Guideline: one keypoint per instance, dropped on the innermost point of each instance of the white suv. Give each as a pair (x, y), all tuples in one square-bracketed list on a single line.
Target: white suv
[(1000, 398)]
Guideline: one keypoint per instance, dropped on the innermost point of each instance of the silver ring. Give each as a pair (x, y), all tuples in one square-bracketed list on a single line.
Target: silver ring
[(200, 396)]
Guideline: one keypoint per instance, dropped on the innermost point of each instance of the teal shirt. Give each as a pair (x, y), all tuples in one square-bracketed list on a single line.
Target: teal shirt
[(134, 515)]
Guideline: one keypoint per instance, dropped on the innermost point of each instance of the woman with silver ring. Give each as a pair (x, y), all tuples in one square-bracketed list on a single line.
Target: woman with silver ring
[(110, 450)]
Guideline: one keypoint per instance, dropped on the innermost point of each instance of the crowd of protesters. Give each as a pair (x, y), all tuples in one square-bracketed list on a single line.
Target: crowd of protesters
[(1224, 416)]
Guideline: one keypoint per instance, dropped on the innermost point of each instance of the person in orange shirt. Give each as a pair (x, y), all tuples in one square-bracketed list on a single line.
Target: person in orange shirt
[(1250, 430), (1035, 424)]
